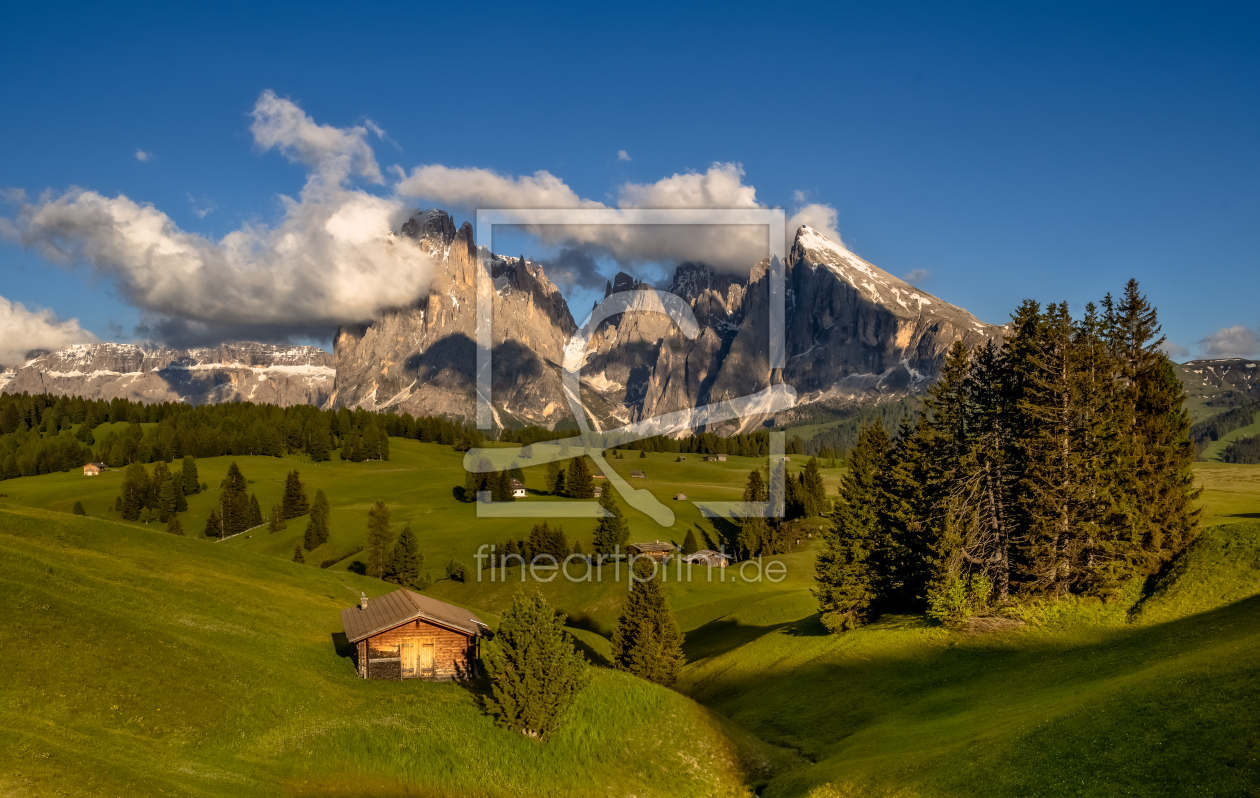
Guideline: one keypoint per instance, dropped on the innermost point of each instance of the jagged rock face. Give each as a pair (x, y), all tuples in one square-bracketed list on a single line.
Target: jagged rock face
[(245, 372), (853, 331), (420, 358)]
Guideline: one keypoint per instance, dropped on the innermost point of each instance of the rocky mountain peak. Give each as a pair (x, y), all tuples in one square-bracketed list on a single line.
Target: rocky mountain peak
[(435, 226)]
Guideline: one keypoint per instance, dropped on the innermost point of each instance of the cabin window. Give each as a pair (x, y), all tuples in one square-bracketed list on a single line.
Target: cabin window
[(382, 650)]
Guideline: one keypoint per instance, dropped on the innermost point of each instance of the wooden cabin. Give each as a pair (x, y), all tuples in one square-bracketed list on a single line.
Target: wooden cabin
[(638, 475), (405, 635), (657, 551), (682, 497), (93, 469), (598, 491), (715, 458), (708, 557), (518, 489), (598, 475)]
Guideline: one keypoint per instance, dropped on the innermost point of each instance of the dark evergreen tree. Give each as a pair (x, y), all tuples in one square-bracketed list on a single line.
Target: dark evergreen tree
[(298, 557), (535, 671), (78, 509), (174, 526), (168, 499), (578, 483), (276, 522), (456, 571), (754, 529), (317, 528), (407, 561), (378, 539), (190, 477), (612, 532), (848, 582), (214, 524), (234, 502), (135, 491), (294, 502), (690, 545), (555, 478), (647, 641), (255, 512)]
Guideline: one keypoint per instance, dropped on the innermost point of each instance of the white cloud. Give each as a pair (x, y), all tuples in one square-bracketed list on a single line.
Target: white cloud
[(331, 258), (622, 155), (1236, 341), (1174, 350), (720, 186), (917, 276), (23, 331), (202, 207), (144, 156)]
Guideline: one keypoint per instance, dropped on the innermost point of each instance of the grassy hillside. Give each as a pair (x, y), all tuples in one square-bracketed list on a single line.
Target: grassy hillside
[(144, 664), (1084, 705)]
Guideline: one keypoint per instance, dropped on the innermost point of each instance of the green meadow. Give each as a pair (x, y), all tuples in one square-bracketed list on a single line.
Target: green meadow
[(142, 663)]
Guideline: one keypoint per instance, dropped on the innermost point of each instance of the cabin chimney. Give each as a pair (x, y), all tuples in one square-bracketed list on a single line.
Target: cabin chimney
[(363, 601)]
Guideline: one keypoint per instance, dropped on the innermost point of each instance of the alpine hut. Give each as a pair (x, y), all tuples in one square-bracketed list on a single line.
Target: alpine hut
[(405, 635)]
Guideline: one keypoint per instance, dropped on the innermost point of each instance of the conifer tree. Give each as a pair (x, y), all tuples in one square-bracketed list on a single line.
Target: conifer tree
[(294, 502), (135, 491), (406, 560), (276, 522), (320, 446), (214, 525), (611, 531), (181, 503), (502, 487), (578, 483), (78, 509), (378, 539), (690, 545), (317, 530), (234, 502), (298, 557), (647, 641), (535, 671), (161, 475), (255, 511), (168, 500), (754, 531), (848, 583), (813, 488), (188, 473), (174, 526)]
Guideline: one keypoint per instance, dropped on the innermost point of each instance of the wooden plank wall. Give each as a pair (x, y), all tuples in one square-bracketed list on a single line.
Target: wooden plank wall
[(453, 652)]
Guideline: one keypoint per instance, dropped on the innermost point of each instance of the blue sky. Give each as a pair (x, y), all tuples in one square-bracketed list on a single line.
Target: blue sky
[(1043, 151)]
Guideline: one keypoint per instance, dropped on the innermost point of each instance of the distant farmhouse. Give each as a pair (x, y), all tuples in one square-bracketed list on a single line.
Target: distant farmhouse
[(707, 557), (598, 475), (598, 491), (715, 458), (657, 551), (682, 497), (518, 489), (404, 635), (93, 469), (638, 475)]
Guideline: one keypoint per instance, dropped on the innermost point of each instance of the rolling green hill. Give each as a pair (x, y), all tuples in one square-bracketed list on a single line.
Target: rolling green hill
[(147, 664)]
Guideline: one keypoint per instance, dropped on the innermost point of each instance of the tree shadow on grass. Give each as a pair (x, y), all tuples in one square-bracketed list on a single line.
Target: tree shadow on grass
[(342, 645)]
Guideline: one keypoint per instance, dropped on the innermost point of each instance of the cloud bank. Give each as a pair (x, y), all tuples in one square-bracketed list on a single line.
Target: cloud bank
[(1236, 341), (23, 331), (333, 256)]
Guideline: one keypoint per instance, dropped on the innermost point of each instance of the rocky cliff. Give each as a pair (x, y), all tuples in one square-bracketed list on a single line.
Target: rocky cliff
[(246, 372)]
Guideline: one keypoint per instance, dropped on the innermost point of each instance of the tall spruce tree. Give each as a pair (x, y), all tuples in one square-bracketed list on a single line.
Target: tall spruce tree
[(275, 521), (535, 672), (406, 560), (647, 641), (378, 540), (754, 529), (848, 583), (690, 545), (234, 502), (188, 473), (612, 533), (255, 511), (135, 490), (578, 483), (294, 500)]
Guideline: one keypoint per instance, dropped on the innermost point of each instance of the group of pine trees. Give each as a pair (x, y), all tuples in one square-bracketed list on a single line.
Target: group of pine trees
[(1056, 462), (576, 481), (160, 496), (42, 434), (237, 510), (396, 560), (497, 483)]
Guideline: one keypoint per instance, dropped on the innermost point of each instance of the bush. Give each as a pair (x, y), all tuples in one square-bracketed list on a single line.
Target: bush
[(78, 509), (456, 572), (956, 600)]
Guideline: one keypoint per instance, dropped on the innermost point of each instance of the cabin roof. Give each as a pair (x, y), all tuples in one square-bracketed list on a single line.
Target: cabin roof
[(646, 548), (98, 465), (637, 474), (706, 554), (517, 484), (404, 606)]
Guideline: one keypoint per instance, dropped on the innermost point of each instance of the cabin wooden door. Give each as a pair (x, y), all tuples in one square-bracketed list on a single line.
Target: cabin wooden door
[(407, 651), (426, 664)]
